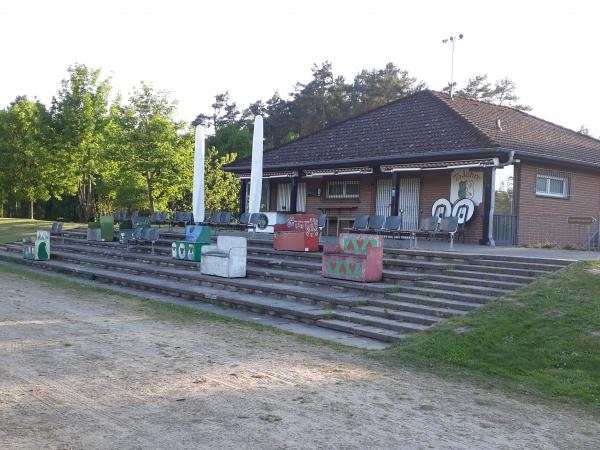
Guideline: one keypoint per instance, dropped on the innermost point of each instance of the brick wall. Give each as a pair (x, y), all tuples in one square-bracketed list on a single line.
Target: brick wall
[(365, 204), (544, 219)]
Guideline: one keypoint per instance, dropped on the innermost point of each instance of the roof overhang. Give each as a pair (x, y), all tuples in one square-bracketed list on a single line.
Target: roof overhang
[(338, 171), (441, 165), (272, 174), (479, 153)]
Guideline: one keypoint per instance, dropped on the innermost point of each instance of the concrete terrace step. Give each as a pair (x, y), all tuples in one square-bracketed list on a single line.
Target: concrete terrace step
[(459, 256), (381, 334), (484, 290), (302, 278), (398, 315), (380, 322), (424, 309), (447, 294), (496, 275), (472, 280), (537, 265), (391, 300), (489, 270)]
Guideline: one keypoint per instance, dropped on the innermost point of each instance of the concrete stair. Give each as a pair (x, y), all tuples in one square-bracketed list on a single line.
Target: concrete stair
[(420, 289)]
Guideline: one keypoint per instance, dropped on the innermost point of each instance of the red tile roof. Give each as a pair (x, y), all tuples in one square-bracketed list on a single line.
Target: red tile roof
[(429, 125)]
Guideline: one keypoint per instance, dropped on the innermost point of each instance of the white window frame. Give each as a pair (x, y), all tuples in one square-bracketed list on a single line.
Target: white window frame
[(547, 193), (344, 194)]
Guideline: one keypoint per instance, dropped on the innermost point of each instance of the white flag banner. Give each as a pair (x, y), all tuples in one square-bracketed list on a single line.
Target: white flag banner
[(198, 192), (256, 173)]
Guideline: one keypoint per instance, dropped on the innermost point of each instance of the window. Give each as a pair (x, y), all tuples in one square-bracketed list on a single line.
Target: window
[(343, 189), (552, 184)]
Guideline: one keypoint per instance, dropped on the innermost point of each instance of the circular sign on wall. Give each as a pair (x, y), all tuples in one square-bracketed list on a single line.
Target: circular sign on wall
[(464, 210), (441, 208)]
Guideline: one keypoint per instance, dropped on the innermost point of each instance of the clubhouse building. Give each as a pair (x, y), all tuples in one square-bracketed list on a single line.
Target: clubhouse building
[(531, 181)]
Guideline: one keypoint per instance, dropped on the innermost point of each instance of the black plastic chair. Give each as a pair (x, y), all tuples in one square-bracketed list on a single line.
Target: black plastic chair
[(120, 216), (225, 218), (392, 226), (375, 223), (244, 218), (360, 224), (447, 226), (428, 225), (215, 219)]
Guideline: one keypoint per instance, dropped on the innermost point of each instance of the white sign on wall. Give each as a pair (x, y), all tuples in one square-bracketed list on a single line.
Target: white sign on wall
[(466, 183)]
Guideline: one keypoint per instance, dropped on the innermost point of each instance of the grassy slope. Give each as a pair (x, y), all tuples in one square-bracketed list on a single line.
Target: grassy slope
[(545, 339), (15, 229)]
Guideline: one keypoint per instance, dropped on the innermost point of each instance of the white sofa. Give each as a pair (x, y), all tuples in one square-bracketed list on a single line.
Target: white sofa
[(226, 259)]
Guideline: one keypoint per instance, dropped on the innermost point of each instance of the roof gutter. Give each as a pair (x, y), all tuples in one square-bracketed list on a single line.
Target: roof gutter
[(562, 161)]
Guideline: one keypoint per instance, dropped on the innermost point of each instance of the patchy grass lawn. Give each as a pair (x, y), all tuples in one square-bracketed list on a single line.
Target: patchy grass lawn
[(544, 339), (15, 229)]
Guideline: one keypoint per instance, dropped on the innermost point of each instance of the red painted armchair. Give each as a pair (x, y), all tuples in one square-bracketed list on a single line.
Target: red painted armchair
[(299, 234), (357, 257)]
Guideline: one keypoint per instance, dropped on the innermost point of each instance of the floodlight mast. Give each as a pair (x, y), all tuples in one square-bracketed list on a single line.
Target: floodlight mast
[(452, 39)]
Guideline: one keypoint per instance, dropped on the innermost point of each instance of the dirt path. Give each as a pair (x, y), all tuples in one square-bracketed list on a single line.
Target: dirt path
[(97, 372)]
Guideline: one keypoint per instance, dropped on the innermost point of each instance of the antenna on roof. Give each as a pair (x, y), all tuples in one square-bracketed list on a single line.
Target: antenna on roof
[(452, 39)]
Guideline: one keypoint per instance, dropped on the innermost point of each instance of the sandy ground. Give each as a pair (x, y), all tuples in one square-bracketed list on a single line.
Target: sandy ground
[(99, 372)]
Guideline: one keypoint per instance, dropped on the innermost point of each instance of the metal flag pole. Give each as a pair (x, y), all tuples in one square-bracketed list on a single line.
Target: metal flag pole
[(453, 40)]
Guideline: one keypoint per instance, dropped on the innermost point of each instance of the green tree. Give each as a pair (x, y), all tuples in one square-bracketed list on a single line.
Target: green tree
[(502, 92), (232, 138), (477, 88), (224, 113), (80, 112), (27, 169), (322, 101), (373, 88), (148, 144), (221, 188)]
